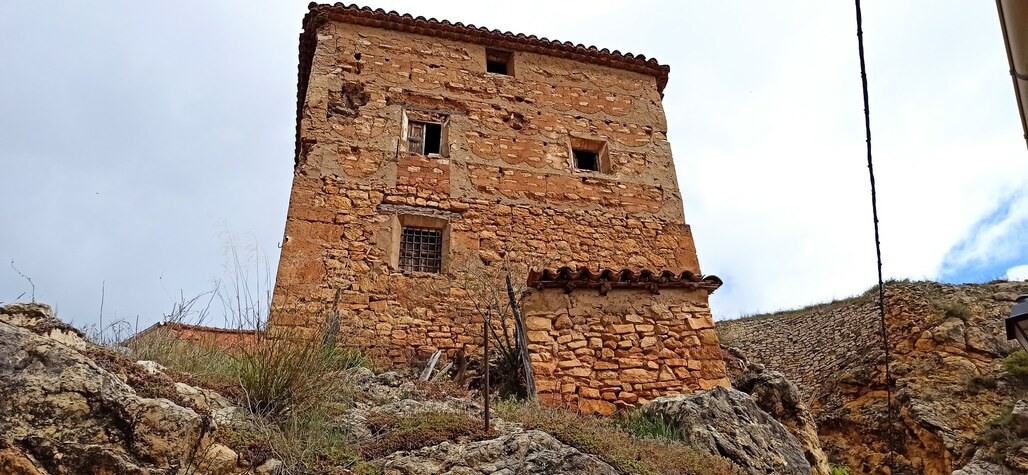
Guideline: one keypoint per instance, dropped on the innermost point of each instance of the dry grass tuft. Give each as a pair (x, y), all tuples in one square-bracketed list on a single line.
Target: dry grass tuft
[(279, 377), (606, 440), (420, 430)]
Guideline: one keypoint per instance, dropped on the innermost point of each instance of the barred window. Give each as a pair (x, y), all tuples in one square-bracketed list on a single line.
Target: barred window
[(421, 250)]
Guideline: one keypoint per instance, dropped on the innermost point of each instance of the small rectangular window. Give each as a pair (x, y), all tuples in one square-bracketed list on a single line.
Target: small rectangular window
[(421, 250), (424, 138), (589, 155), (586, 160), (499, 62)]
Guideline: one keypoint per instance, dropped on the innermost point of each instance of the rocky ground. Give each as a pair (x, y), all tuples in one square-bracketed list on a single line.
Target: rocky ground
[(68, 406), (959, 385)]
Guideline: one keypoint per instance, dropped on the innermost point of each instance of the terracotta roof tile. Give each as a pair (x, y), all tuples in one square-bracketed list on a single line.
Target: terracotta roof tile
[(569, 279), (225, 337)]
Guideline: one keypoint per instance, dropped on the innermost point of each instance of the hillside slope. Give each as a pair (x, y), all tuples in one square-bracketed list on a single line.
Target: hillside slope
[(948, 354)]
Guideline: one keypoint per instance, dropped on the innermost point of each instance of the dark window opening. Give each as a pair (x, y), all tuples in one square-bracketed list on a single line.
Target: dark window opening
[(586, 160), (424, 137), (499, 62), (421, 250)]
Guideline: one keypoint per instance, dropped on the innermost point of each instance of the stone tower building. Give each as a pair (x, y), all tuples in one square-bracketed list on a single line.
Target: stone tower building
[(424, 147)]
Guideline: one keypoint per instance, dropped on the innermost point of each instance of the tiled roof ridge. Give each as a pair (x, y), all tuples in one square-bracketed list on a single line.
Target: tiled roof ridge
[(605, 279), (318, 14), (491, 37), (176, 326)]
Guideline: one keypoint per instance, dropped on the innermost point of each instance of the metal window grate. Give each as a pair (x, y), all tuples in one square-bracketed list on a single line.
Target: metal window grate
[(421, 250)]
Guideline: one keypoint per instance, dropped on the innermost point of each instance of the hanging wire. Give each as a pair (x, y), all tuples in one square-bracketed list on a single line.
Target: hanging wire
[(891, 435)]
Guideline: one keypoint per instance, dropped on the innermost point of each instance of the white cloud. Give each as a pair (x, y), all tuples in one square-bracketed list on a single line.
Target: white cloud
[(997, 238), (1018, 272)]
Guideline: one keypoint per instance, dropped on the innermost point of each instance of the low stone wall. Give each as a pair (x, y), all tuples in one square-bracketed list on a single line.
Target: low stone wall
[(807, 346), (599, 353)]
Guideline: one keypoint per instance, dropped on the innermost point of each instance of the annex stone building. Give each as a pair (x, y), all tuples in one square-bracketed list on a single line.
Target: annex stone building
[(429, 151)]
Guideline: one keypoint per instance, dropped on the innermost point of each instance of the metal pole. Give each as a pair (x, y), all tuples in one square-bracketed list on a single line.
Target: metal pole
[(485, 364)]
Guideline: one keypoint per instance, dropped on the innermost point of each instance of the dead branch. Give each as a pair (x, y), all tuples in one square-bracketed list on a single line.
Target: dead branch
[(23, 276)]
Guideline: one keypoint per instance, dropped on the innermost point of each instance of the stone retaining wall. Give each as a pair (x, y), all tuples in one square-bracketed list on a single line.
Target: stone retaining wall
[(808, 345), (598, 353)]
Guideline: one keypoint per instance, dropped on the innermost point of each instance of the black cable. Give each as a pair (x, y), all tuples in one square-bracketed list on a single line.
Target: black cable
[(878, 243)]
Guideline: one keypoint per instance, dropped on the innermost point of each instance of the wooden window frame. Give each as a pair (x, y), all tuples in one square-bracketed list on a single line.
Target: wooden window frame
[(415, 128), (591, 145)]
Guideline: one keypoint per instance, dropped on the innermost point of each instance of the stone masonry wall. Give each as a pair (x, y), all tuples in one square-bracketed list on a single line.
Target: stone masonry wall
[(503, 189), (806, 346), (598, 353)]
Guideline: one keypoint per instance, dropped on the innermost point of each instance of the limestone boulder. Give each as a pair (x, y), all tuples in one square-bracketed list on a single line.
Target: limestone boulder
[(529, 452), (780, 398), (39, 319), (729, 423), (63, 414), (1019, 418), (202, 399), (979, 465)]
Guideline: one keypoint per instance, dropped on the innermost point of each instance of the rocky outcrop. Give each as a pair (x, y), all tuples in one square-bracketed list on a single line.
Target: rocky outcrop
[(729, 423), (69, 406), (39, 319), (63, 414), (780, 398), (980, 466), (947, 346), (530, 452)]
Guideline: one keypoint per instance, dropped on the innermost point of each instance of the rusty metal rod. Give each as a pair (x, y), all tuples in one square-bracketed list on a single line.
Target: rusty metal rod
[(485, 364)]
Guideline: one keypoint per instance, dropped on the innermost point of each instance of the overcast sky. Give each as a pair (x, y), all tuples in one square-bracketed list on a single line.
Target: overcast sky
[(139, 142)]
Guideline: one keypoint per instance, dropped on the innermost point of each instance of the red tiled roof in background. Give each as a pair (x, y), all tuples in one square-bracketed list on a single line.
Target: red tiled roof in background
[(319, 14), (221, 337), (606, 279)]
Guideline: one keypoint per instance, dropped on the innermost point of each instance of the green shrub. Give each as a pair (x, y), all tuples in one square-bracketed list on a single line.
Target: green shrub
[(308, 443), (951, 309), (604, 438), (983, 383), (1015, 365), (653, 425), (207, 365), (997, 436), (840, 471)]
